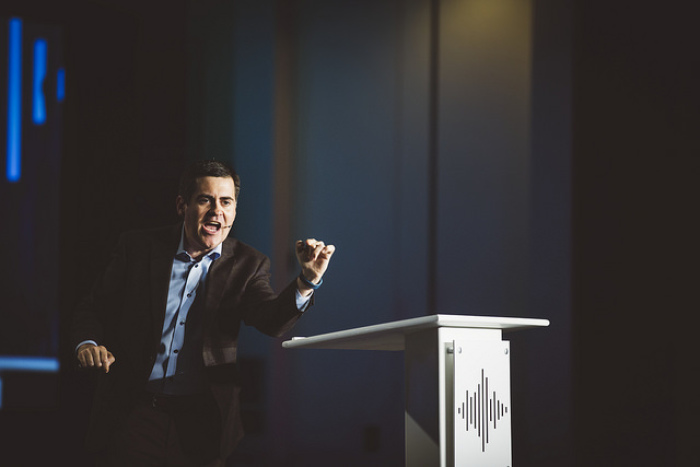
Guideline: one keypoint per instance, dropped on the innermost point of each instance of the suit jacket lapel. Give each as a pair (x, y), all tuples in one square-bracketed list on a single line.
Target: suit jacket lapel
[(217, 278)]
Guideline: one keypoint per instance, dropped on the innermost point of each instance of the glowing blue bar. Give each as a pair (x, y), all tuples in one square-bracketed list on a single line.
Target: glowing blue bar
[(14, 101), (60, 84), (36, 364), (38, 101)]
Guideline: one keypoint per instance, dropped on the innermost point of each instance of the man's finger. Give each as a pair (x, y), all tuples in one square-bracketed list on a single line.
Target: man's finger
[(311, 249), (85, 358), (306, 249), (90, 357), (100, 356), (109, 359), (317, 249), (105, 357)]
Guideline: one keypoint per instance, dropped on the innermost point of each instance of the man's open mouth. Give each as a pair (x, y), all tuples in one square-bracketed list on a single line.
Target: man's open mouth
[(212, 227)]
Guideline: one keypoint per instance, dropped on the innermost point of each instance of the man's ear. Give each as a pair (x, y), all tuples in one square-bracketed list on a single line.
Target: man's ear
[(180, 205)]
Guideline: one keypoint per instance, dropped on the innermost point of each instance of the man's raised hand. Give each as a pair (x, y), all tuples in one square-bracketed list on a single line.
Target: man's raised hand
[(313, 256)]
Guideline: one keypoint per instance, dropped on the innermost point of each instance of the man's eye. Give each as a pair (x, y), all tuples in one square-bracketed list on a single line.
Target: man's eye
[(203, 200), (226, 202)]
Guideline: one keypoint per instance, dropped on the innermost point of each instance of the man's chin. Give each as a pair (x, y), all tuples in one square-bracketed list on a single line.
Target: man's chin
[(207, 242), (211, 241)]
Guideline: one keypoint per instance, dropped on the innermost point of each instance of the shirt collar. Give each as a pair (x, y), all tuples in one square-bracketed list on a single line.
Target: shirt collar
[(184, 256)]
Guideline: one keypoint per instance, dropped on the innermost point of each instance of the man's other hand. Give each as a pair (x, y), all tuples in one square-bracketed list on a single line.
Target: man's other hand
[(95, 356)]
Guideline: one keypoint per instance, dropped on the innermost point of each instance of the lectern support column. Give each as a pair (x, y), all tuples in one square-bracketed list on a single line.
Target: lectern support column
[(457, 398)]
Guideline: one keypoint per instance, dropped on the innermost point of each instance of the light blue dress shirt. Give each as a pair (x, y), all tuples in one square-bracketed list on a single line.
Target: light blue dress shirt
[(178, 368)]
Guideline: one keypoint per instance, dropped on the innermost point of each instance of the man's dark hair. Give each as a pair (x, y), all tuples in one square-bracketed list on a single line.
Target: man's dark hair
[(205, 168)]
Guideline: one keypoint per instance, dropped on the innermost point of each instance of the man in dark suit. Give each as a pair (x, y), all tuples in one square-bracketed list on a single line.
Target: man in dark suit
[(162, 327)]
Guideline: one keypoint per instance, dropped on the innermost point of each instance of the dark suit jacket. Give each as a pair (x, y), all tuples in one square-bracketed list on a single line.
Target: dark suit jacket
[(125, 313)]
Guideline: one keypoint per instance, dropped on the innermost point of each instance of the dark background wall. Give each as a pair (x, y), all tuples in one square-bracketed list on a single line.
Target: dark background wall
[(519, 158), (636, 161)]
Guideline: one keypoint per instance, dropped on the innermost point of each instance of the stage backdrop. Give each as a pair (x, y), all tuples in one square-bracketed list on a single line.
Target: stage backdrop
[(32, 88)]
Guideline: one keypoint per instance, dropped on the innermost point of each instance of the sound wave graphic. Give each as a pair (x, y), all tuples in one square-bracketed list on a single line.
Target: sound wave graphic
[(481, 410)]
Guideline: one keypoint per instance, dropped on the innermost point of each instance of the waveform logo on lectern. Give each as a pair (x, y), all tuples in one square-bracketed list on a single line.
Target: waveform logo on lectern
[(481, 410)]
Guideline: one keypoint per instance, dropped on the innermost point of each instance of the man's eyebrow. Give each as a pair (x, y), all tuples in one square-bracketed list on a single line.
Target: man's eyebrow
[(211, 197)]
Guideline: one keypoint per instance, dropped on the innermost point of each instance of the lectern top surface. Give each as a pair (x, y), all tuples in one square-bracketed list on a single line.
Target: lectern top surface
[(391, 336)]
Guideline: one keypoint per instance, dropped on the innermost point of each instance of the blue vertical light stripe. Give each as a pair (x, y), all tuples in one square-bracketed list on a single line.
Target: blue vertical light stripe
[(14, 101), (38, 99), (60, 84)]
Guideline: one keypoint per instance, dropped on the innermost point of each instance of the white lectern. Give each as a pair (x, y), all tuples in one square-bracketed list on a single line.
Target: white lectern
[(458, 409)]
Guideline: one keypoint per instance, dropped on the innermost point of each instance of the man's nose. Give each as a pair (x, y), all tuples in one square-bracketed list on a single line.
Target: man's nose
[(216, 209)]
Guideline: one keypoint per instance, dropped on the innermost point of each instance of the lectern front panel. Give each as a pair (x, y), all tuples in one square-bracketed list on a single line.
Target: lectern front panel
[(481, 404)]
